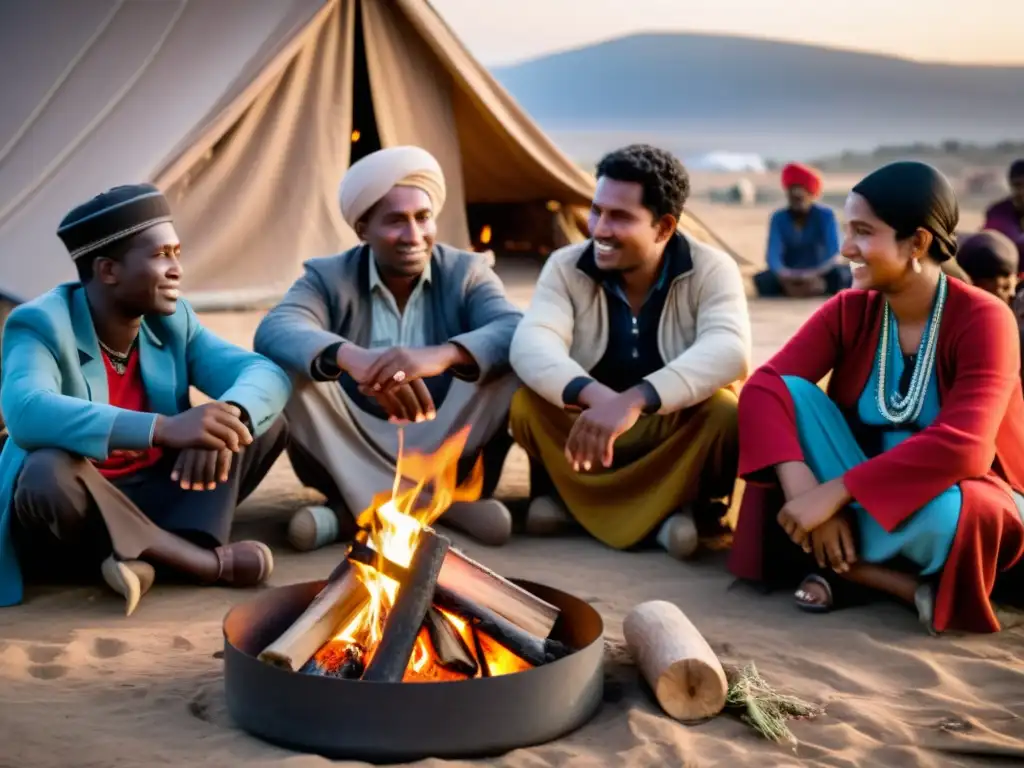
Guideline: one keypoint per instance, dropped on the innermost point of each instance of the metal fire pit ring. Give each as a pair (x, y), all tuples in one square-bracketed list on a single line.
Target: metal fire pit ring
[(401, 722)]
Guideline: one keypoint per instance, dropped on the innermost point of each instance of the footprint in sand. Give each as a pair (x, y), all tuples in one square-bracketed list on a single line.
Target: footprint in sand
[(42, 658), (44, 654), (180, 643), (108, 647), (209, 705), (47, 671)]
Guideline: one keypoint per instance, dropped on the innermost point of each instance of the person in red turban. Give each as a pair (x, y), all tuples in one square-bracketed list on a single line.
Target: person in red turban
[(803, 176), (803, 242)]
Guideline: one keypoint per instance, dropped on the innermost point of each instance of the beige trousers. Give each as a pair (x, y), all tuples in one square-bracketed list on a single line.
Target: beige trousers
[(359, 450)]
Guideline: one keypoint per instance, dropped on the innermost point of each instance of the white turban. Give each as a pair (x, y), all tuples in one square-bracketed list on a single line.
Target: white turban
[(369, 179)]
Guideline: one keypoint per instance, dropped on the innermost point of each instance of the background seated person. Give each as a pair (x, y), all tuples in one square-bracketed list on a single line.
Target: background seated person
[(803, 242)]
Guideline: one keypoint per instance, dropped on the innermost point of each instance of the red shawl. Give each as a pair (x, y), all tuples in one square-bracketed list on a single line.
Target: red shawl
[(976, 441)]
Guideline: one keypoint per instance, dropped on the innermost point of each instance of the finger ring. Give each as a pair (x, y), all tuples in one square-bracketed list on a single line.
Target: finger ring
[(399, 376)]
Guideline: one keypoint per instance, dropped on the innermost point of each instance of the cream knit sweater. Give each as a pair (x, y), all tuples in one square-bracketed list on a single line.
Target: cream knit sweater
[(704, 332)]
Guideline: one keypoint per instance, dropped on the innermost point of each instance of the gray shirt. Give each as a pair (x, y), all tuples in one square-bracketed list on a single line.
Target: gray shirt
[(391, 327)]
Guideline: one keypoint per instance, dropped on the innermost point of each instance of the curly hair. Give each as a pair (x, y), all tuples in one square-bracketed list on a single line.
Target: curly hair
[(665, 182)]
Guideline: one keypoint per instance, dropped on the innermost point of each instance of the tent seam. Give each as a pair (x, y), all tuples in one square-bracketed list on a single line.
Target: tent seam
[(58, 162)]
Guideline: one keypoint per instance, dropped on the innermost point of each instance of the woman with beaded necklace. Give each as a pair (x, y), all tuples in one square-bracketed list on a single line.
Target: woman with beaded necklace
[(906, 476)]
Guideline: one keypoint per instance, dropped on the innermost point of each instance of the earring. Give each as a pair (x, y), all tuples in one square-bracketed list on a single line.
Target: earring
[(916, 266)]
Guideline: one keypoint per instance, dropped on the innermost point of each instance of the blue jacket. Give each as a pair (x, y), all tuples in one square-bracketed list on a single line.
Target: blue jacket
[(54, 390)]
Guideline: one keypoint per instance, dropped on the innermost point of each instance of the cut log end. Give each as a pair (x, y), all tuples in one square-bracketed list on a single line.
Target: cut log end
[(676, 661), (689, 690)]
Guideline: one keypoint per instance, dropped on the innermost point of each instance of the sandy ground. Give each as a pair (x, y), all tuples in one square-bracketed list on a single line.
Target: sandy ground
[(83, 686)]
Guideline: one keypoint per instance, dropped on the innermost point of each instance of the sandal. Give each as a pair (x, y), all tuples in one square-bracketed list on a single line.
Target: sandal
[(244, 563), (805, 599)]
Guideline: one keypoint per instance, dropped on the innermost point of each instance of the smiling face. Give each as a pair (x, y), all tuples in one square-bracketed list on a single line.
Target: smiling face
[(400, 229), (626, 234), (146, 277), (878, 260)]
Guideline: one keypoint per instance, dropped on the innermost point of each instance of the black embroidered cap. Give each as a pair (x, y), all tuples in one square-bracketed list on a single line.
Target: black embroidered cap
[(111, 216)]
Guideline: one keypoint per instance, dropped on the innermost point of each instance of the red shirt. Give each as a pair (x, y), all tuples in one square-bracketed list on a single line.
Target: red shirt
[(126, 390)]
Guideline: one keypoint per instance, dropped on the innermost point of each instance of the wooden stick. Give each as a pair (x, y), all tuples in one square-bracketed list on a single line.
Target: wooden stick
[(486, 588), (336, 604), (449, 647), (473, 581), (685, 674), (406, 616), (535, 650)]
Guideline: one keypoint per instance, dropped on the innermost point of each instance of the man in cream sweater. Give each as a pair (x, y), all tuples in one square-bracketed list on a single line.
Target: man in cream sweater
[(627, 353)]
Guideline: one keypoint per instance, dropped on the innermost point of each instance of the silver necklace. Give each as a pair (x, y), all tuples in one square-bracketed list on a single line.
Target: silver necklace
[(118, 360), (895, 408)]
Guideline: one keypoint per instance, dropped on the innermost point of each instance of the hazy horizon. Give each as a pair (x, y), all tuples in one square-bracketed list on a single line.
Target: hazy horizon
[(984, 32)]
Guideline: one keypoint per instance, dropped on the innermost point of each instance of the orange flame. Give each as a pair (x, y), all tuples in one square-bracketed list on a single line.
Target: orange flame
[(485, 234), (426, 485)]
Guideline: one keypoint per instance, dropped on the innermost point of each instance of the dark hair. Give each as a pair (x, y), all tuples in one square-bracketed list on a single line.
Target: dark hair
[(1016, 169), (909, 195), (86, 262), (989, 254), (665, 182)]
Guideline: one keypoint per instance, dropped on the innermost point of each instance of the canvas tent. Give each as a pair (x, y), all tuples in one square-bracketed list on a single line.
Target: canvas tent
[(247, 113)]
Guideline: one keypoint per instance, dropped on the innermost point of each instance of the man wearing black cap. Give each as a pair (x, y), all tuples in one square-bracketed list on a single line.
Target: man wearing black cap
[(108, 467)]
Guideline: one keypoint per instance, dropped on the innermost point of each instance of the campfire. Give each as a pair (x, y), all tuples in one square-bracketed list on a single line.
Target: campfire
[(405, 606)]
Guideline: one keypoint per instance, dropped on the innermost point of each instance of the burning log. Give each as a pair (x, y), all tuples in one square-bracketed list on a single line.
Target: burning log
[(338, 603), (409, 610), (338, 658), (464, 576), (476, 582), (449, 647), (485, 667), (685, 674), (535, 650)]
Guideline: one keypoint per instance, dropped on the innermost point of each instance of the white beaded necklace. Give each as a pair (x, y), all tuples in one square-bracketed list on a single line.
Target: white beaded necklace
[(894, 408)]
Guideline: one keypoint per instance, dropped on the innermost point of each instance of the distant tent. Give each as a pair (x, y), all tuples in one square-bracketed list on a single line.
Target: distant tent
[(247, 113)]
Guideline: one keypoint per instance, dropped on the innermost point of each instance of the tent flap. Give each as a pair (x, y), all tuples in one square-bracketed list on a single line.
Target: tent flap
[(242, 111)]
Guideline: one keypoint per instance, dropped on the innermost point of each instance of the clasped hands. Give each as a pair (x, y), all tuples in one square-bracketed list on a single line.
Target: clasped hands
[(816, 521), (394, 376), (207, 436), (591, 441)]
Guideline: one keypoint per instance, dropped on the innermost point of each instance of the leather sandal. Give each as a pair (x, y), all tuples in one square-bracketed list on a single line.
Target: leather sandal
[(805, 599), (129, 578), (244, 563)]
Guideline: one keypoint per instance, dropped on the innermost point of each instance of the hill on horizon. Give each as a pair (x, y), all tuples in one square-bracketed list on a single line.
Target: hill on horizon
[(756, 94)]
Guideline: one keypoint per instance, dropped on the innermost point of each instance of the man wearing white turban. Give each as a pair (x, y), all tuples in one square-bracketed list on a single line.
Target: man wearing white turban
[(398, 330)]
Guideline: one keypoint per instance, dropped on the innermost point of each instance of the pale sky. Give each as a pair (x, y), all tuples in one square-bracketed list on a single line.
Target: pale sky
[(969, 31)]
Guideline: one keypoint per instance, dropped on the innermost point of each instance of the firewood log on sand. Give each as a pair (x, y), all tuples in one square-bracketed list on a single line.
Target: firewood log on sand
[(676, 661)]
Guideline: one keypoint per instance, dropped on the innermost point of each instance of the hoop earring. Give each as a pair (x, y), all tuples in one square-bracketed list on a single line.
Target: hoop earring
[(916, 266)]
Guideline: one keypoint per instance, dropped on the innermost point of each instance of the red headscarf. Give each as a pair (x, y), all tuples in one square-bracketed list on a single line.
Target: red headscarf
[(797, 174)]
